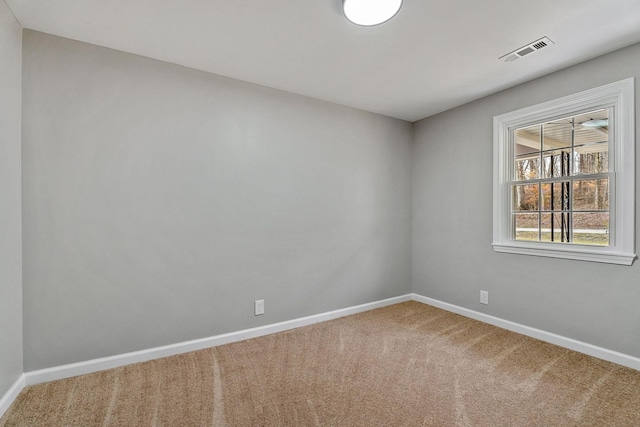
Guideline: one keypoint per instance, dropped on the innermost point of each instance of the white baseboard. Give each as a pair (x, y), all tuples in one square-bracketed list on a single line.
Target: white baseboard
[(11, 395), (579, 346), (95, 365)]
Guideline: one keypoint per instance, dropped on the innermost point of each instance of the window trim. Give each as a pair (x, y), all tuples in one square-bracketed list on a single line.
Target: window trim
[(621, 249)]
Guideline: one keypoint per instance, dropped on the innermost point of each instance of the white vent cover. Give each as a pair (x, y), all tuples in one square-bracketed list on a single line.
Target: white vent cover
[(526, 49)]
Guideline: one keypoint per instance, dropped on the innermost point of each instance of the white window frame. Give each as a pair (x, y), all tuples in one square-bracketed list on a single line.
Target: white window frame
[(620, 97)]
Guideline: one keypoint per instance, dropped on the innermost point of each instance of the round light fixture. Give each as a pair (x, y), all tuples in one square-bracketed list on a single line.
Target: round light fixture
[(596, 123), (370, 12)]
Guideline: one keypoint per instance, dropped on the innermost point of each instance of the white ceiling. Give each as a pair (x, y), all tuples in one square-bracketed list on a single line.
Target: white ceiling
[(434, 55)]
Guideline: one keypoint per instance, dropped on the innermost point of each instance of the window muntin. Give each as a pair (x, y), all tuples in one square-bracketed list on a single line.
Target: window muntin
[(560, 180)]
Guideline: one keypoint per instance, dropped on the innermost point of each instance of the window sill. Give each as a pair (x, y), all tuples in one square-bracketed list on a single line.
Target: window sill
[(581, 253)]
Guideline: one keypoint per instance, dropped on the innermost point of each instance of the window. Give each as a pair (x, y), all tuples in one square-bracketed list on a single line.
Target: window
[(564, 177)]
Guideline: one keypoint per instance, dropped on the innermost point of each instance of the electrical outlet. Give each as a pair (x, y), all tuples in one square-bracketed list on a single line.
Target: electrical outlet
[(484, 297), (258, 307)]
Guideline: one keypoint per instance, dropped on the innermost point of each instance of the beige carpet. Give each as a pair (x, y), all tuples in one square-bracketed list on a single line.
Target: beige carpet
[(404, 365)]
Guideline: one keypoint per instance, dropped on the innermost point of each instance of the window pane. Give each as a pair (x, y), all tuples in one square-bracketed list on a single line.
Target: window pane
[(527, 167), (553, 196), (592, 127), (591, 228), (557, 134), (526, 226), (590, 159), (591, 195), (547, 221), (556, 163), (527, 140), (525, 197)]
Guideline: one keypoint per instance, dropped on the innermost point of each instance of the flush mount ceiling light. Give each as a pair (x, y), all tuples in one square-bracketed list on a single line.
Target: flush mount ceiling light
[(370, 12)]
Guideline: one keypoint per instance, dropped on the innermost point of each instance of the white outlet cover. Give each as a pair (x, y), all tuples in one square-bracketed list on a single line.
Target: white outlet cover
[(258, 307), (484, 297)]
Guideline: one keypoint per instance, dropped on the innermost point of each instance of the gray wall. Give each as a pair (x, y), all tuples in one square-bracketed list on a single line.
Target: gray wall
[(452, 197), (10, 216), (160, 202)]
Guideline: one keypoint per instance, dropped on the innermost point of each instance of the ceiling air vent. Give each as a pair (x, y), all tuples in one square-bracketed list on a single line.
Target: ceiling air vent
[(527, 49)]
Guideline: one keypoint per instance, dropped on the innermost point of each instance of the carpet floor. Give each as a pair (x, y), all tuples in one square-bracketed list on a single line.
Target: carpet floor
[(408, 364)]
